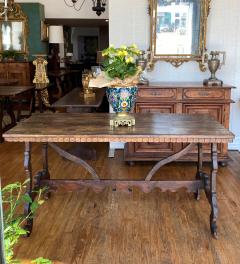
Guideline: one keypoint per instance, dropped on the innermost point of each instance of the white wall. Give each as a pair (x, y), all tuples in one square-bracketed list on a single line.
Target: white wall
[(58, 9), (223, 34)]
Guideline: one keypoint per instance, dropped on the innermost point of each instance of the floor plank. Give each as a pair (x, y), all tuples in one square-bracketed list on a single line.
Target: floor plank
[(113, 227)]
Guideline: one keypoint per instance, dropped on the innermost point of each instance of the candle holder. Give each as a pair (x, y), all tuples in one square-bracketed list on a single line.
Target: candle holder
[(87, 91), (142, 62)]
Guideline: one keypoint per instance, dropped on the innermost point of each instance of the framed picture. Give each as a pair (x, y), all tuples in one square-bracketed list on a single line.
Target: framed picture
[(44, 31)]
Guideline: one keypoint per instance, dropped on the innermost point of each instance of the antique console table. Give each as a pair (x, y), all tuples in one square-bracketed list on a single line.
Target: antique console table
[(191, 130), (186, 98), (74, 101)]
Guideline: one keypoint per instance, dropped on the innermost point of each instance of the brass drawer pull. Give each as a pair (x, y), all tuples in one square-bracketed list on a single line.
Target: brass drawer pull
[(155, 93), (204, 93)]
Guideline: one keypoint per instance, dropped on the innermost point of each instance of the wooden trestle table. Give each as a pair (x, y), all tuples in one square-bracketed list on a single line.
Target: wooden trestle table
[(192, 130)]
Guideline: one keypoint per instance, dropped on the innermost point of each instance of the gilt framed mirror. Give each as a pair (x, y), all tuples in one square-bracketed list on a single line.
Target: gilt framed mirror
[(178, 31), (14, 30)]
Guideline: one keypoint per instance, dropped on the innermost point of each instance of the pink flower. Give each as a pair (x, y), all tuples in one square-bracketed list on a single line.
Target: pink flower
[(125, 94)]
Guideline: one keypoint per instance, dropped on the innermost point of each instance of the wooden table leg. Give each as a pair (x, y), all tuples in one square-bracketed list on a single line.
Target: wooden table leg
[(10, 111), (199, 174), (59, 88), (45, 175), (29, 191), (213, 191), (40, 102)]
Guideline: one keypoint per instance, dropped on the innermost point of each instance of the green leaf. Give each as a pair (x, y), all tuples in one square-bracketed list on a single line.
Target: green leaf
[(41, 261), (34, 206), (26, 198), (13, 200)]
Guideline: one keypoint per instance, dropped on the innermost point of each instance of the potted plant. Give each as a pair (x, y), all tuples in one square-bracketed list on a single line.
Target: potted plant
[(13, 198), (120, 76), (9, 55)]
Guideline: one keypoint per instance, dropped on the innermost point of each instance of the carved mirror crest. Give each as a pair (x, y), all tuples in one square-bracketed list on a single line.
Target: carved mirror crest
[(178, 31)]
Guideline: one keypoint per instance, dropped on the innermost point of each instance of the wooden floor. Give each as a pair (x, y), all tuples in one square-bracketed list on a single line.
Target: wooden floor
[(135, 228)]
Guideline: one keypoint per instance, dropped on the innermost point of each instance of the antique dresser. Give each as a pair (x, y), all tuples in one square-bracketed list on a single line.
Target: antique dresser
[(187, 98), (17, 70)]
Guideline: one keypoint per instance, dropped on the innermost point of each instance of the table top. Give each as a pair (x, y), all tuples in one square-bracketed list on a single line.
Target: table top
[(197, 85), (58, 73), (94, 127), (62, 72), (75, 99), (14, 90), (8, 81)]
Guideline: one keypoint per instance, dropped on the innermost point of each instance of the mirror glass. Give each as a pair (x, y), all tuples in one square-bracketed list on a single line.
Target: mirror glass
[(12, 35), (178, 24)]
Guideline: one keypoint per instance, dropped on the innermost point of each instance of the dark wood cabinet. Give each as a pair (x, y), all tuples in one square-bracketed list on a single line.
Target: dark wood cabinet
[(17, 70), (185, 98)]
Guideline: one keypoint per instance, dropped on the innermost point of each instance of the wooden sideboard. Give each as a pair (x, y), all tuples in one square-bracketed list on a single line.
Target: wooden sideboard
[(186, 98), (17, 70)]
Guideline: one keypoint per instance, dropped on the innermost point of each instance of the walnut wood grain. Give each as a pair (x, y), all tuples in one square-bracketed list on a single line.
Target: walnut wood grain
[(22, 71), (5, 93), (13, 90), (8, 82), (94, 127), (181, 85), (121, 185)]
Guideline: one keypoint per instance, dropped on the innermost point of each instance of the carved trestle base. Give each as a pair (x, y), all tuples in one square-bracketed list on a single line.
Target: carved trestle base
[(202, 182), (122, 185)]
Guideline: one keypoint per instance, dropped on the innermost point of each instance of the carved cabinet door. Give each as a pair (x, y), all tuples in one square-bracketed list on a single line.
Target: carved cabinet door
[(159, 149), (214, 110), (19, 71), (3, 70)]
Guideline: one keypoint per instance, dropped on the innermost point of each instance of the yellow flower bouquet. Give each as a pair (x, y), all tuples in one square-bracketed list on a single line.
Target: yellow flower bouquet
[(119, 67), (120, 76)]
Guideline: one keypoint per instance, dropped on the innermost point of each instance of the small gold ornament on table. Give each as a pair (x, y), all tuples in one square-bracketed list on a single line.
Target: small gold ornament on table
[(122, 119), (41, 80), (87, 91), (40, 70)]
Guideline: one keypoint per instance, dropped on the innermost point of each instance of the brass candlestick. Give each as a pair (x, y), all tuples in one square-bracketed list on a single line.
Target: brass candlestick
[(142, 62), (215, 63)]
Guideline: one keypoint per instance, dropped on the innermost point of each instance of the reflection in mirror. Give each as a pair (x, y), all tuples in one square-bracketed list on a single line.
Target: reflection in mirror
[(178, 27), (178, 31), (12, 35)]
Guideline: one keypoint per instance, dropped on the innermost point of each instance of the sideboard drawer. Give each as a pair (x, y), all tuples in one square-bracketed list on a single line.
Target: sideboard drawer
[(205, 93), (157, 93)]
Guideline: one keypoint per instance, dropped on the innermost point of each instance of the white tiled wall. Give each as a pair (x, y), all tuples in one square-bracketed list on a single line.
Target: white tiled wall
[(129, 23)]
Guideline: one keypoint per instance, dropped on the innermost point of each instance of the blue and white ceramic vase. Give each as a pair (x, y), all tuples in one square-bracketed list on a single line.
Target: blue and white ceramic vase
[(122, 100)]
